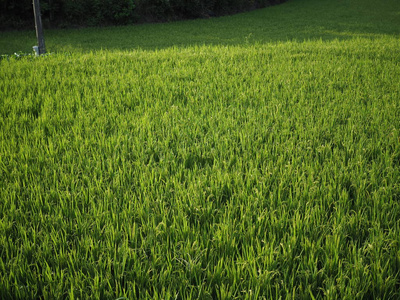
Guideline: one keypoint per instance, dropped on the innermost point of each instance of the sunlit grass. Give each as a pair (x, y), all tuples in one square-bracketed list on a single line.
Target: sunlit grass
[(243, 170)]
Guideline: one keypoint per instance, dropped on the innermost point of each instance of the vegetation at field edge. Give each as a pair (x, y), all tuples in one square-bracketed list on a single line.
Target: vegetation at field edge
[(295, 20)]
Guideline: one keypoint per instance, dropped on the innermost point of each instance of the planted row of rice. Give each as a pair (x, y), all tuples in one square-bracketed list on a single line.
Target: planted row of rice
[(267, 170)]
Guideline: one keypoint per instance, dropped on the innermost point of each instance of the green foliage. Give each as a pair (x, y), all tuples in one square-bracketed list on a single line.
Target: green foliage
[(18, 14), (98, 12), (204, 172), (178, 9), (240, 171)]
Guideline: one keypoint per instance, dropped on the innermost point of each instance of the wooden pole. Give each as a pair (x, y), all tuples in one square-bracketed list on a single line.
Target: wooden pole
[(39, 27)]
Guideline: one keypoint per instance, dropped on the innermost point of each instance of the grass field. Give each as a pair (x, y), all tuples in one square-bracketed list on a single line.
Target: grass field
[(245, 157)]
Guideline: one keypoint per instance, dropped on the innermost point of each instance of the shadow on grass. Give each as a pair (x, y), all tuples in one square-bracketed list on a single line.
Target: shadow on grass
[(297, 20)]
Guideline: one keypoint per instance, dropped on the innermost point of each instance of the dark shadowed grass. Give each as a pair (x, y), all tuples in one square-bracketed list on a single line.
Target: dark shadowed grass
[(295, 20)]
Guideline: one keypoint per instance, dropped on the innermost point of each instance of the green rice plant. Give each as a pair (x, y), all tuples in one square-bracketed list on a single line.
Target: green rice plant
[(266, 169)]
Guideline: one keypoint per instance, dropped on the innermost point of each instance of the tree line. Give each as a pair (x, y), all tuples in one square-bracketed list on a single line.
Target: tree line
[(75, 13)]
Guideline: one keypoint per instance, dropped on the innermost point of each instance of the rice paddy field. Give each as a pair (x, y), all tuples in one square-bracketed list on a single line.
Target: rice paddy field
[(254, 156)]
